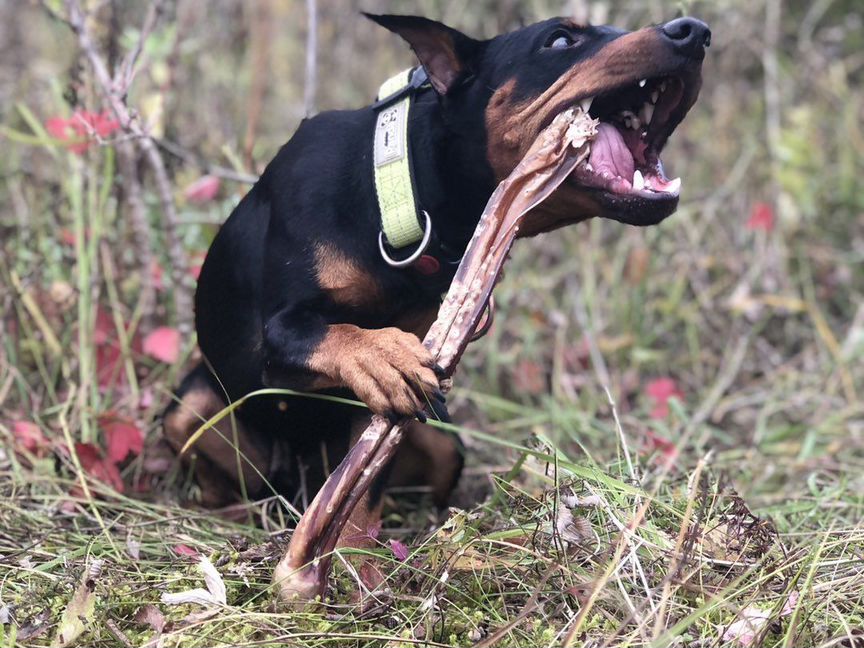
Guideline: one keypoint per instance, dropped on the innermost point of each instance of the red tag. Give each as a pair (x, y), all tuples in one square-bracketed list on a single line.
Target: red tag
[(427, 265)]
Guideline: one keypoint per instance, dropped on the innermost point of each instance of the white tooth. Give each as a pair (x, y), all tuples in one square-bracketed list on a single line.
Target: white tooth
[(635, 123), (646, 113), (627, 121), (674, 186), (642, 83), (638, 180), (663, 86), (586, 104), (655, 96), (588, 166)]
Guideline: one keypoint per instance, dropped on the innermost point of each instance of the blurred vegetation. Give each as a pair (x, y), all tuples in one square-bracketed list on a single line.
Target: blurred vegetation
[(750, 300)]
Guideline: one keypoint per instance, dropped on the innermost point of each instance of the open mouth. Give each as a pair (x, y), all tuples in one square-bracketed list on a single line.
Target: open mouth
[(633, 125)]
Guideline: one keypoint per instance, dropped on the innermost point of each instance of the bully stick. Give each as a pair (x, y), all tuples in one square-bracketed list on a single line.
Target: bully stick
[(302, 572)]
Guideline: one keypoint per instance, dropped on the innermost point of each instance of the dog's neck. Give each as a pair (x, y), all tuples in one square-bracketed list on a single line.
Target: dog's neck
[(453, 177)]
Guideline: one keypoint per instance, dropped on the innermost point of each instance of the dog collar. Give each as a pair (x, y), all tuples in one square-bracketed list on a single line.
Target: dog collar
[(403, 224)]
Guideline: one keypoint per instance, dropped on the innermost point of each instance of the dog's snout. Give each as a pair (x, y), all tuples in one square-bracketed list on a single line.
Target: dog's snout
[(688, 36)]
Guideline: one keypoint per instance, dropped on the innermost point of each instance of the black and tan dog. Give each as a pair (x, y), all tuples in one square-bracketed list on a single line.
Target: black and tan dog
[(296, 293)]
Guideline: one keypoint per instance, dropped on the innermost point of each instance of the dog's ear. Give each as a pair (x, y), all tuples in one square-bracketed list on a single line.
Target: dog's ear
[(447, 54)]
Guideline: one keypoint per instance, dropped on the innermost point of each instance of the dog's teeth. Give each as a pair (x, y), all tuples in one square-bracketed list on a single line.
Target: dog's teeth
[(663, 86), (655, 96), (628, 121), (674, 186), (647, 113), (642, 83), (586, 104), (638, 180), (635, 123)]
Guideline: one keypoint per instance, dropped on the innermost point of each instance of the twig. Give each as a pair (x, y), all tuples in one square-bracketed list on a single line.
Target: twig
[(311, 85), (140, 229), (114, 93), (187, 156), (126, 73), (262, 35)]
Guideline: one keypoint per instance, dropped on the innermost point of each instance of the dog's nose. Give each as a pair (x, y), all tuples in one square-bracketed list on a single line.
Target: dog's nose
[(688, 36)]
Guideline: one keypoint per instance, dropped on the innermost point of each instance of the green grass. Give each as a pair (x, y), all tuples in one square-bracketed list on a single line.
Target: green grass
[(759, 509)]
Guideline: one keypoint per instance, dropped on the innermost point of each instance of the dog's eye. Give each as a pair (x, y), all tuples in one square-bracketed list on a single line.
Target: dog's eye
[(560, 40)]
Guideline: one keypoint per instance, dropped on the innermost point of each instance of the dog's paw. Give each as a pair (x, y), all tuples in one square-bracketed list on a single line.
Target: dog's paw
[(393, 373)]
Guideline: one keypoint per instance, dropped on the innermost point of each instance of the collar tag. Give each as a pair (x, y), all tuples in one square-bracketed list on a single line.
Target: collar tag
[(427, 265)]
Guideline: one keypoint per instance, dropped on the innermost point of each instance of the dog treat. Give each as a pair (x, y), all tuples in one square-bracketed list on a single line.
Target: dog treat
[(557, 151)]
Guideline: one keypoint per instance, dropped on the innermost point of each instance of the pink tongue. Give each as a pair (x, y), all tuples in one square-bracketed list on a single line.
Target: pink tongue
[(609, 153)]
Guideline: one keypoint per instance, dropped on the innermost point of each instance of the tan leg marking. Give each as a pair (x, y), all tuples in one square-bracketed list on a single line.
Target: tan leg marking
[(215, 457), (343, 280), (430, 457), (389, 369)]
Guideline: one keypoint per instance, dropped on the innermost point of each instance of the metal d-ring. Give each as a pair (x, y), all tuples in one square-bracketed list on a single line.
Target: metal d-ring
[(427, 236), (486, 322)]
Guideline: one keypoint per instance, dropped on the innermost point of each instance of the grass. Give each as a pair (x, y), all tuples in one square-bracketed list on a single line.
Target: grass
[(584, 516)]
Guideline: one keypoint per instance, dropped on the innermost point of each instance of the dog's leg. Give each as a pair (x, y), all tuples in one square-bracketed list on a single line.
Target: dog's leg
[(218, 469), (428, 457), (388, 369)]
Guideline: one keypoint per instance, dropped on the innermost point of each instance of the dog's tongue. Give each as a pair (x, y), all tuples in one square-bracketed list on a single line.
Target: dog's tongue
[(610, 154)]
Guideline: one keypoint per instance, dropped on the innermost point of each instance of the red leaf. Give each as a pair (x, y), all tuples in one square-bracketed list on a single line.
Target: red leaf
[(660, 391), (122, 436), (761, 217), (665, 449), (163, 344), (203, 190), (30, 437), (529, 377), (97, 466), (109, 369), (400, 551), (184, 550), (83, 124)]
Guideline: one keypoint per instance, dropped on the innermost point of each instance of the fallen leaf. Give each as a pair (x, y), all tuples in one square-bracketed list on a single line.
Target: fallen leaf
[(97, 466), (152, 616), (133, 548), (573, 530), (184, 550), (122, 437), (30, 437), (745, 630), (215, 593), (400, 551), (163, 344), (761, 217), (80, 608), (529, 377), (660, 390), (667, 449)]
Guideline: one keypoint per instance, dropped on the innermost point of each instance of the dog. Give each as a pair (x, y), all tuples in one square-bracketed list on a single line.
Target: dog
[(305, 289)]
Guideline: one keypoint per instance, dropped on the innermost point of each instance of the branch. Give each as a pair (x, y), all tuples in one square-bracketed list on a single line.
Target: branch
[(114, 94)]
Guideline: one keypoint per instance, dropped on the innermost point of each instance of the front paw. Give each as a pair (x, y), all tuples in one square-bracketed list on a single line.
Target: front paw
[(393, 373)]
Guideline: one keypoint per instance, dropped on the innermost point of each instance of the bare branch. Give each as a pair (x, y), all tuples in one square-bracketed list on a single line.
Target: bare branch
[(311, 85), (114, 95), (126, 70)]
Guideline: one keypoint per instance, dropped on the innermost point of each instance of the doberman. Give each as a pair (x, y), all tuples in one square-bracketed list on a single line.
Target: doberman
[(295, 292)]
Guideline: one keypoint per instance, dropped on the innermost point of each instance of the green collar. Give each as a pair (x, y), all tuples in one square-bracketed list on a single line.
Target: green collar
[(403, 224)]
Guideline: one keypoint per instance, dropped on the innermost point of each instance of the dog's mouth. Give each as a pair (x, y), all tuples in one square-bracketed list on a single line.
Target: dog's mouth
[(633, 123)]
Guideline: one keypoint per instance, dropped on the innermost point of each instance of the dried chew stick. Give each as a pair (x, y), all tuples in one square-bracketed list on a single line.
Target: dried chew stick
[(302, 573)]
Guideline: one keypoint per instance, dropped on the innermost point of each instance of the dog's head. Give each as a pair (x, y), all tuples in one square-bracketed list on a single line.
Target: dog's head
[(639, 85)]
